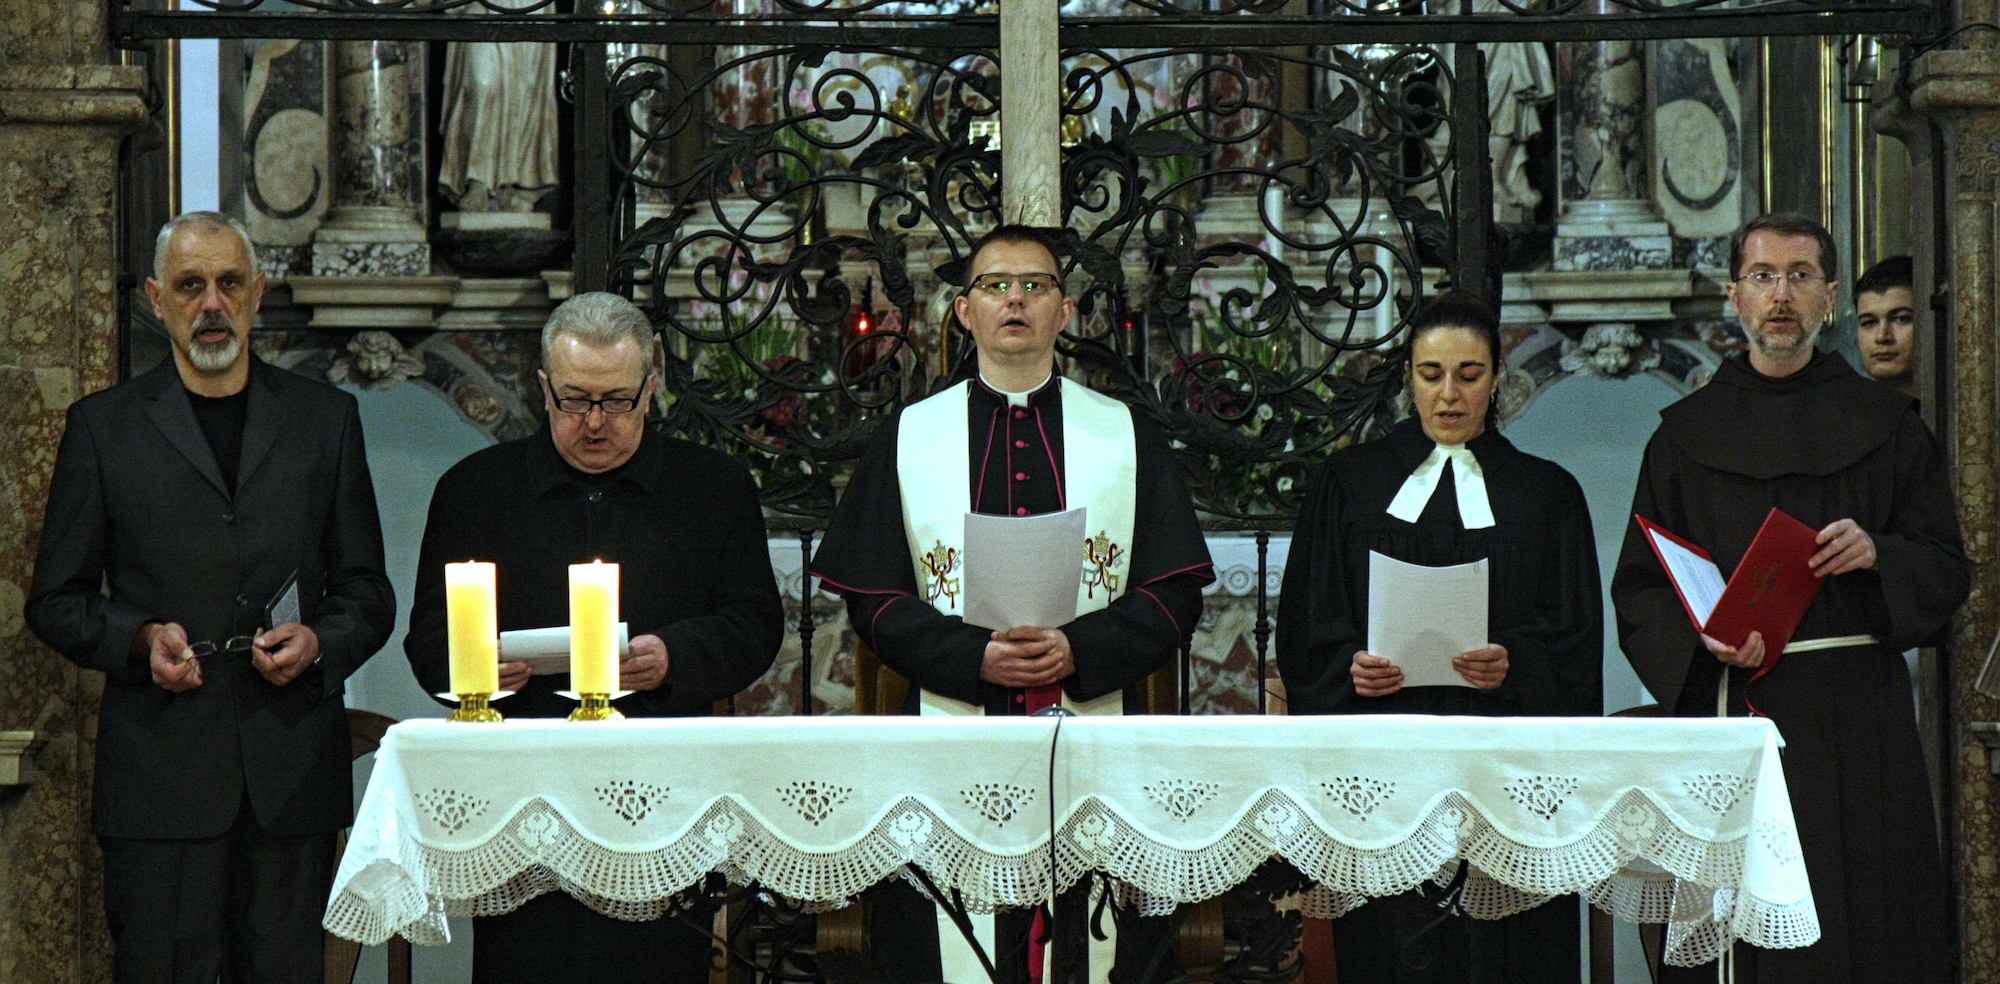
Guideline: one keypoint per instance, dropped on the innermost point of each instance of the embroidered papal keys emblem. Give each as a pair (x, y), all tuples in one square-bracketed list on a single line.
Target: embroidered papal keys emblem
[(940, 563), (1100, 555)]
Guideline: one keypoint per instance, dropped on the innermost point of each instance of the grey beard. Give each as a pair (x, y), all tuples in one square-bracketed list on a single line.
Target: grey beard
[(1765, 346), (214, 357)]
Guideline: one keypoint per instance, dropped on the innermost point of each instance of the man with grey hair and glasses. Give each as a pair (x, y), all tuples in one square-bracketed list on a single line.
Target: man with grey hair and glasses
[(211, 545), (695, 585), (1786, 426)]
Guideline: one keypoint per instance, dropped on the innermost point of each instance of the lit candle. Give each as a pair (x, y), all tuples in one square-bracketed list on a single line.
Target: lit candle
[(593, 627), (471, 612)]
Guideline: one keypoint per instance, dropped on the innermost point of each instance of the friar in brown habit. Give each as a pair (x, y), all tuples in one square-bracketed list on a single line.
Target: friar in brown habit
[(1793, 428)]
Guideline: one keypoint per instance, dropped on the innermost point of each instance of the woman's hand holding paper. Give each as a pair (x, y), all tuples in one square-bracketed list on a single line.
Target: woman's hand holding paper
[(1375, 676), (1484, 668)]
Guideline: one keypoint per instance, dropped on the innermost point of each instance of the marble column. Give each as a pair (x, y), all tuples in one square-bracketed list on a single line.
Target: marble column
[(62, 113), (376, 226), (1960, 89), (1608, 221), (1030, 114)]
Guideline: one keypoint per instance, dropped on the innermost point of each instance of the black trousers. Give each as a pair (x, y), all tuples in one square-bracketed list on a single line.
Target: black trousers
[(244, 907), (1401, 939), (553, 937)]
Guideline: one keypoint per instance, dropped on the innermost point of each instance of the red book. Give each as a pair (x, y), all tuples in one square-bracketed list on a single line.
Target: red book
[(1769, 592)]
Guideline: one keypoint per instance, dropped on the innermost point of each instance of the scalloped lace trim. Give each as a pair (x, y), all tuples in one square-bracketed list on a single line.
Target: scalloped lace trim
[(1635, 863)]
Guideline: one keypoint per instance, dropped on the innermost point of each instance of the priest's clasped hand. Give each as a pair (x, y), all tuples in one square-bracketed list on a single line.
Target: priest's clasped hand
[(1844, 547), (1750, 654), (283, 653), (1025, 656)]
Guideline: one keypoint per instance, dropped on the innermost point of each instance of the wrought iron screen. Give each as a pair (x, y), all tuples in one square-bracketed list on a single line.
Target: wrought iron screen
[(1256, 195)]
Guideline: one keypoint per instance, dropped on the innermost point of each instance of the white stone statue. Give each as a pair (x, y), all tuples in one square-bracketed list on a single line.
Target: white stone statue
[(1519, 79), (499, 125)]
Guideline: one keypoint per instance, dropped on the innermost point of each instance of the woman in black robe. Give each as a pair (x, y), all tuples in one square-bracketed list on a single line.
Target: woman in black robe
[(1525, 516)]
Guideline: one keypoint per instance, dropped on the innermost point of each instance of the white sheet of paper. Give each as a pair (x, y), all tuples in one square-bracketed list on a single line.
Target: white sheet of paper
[(546, 651), (1421, 618), (1700, 581), (1023, 570), (286, 608)]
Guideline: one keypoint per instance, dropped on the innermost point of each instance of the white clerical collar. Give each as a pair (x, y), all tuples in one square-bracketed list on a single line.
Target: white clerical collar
[(1017, 399), (1475, 511)]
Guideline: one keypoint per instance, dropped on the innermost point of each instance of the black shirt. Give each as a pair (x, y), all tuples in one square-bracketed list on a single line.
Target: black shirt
[(221, 419), (681, 521)]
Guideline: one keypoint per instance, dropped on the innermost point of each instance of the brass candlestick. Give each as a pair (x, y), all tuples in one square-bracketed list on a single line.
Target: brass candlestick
[(474, 707), (595, 707)]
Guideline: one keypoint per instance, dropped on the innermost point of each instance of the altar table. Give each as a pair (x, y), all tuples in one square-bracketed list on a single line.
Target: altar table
[(1684, 822)]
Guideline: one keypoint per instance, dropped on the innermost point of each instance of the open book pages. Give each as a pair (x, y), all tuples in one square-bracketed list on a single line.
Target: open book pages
[(1700, 581)]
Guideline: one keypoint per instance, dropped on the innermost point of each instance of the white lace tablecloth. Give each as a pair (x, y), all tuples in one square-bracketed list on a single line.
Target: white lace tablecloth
[(1685, 822)]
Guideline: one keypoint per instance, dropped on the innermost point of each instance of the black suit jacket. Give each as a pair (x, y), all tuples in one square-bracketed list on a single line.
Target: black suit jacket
[(141, 528), (681, 521)]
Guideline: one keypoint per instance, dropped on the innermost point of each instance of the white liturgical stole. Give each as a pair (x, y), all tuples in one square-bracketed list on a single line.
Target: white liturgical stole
[(1475, 511), (1100, 473)]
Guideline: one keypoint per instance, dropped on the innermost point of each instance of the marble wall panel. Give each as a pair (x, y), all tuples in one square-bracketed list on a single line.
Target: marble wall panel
[(286, 184), (1697, 126), (50, 32)]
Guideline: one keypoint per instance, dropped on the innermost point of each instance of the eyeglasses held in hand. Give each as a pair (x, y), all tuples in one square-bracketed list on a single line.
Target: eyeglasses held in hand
[(1767, 281), (612, 405), (233, 644), (996, 285)]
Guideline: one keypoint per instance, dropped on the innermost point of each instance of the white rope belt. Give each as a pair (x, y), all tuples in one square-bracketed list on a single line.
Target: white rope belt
[(1830, 642), (1795, 646)]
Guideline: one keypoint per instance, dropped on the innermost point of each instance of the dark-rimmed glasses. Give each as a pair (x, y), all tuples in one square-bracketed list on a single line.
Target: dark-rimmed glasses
[(996, 285), (611, 405)]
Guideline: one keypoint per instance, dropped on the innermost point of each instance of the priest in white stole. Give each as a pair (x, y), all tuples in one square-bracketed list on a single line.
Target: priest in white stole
[(1016, 440)]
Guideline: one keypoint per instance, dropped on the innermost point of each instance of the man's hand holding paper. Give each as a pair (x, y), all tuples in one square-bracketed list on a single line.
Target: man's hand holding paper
[(645, 664)]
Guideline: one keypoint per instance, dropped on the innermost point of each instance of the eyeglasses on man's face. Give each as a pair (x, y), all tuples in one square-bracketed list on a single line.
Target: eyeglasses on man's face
[(581, 406), (996, 285), (1768, 280)]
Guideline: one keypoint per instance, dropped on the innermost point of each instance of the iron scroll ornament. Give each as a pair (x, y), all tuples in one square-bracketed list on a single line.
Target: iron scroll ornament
[(754, 290)]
